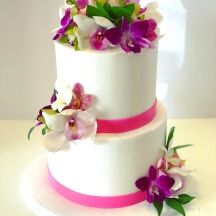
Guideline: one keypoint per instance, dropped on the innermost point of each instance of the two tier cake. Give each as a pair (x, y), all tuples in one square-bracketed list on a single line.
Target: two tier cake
[(104, 127)]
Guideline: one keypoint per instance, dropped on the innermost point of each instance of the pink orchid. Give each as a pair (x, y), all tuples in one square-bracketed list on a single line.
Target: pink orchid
[(98, 41), (81, 125), (80, 100)]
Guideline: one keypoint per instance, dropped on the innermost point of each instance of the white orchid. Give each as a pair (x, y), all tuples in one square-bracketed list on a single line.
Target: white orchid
[(63, 96), (152, 13), (57, 122)]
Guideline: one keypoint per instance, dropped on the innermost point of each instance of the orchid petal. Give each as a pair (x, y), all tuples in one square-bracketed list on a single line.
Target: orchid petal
[(86, 102), (55, 122), (59, 104), (54, 142), (64, 90), (103, 22), (62, 10), (125, 47), (152, 6), (165, 182), (143, 183), (78, 90), (152, 173), (66, 18), (155, 15), (142, 28), (178, 170), (68, 112), (150, 197), (124, 25), (113, 35), (85, 25), (178, 183)]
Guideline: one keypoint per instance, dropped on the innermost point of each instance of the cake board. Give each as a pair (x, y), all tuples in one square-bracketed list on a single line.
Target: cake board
[(43, 200)]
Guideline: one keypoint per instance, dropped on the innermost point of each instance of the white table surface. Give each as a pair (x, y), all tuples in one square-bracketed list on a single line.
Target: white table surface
[(16, 153)]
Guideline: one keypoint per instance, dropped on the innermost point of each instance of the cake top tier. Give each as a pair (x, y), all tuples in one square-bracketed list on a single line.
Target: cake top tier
[(104, 24)]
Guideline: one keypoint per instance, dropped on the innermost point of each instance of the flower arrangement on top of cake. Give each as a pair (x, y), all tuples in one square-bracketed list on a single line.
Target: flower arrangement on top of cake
[(100, 24)]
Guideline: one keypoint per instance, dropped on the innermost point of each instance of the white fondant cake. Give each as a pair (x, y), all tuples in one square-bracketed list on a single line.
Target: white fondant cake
[(123, 85), (109, 165)]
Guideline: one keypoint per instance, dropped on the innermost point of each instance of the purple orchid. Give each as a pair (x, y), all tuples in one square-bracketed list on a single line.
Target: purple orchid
[(66, 21), (98, 41), (80, 100), (133, 36), (157, 187)]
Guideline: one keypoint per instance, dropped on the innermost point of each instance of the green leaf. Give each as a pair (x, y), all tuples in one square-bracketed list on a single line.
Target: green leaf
[(121, 12), (92, 11), (185, 198), (158, 206), (170, 136), (63, 39), (130, 7), (103, 11), (44, 130), (181, 146), (71, 2), (76, 44), (30, 131), (176, 205)]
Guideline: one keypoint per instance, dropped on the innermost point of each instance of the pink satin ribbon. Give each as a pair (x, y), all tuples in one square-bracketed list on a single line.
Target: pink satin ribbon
[(96, 201), (127, 124)]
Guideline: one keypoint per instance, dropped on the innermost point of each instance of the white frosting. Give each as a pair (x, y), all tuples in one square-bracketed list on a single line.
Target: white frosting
[(111, 164), (123, 85)]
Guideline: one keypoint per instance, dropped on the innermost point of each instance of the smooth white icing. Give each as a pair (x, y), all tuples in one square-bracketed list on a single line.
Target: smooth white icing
[(123, 85), (109, 165)]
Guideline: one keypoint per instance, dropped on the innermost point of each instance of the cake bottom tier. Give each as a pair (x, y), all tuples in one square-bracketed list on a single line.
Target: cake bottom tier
[(109, 165)]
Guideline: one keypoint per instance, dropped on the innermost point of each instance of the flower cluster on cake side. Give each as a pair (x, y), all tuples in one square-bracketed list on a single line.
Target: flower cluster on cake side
[(70, 112), (102, 24), (165, 179)]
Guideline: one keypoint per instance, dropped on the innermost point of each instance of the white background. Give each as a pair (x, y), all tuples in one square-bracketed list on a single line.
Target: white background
[(187, 57)]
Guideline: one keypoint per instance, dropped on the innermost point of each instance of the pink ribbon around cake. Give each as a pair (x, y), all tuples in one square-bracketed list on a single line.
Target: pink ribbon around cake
[(127, 124), (96, 201)]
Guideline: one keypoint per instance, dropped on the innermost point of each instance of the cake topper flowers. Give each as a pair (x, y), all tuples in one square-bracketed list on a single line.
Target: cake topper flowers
[(102, 24), (165, 180), (69, 112)]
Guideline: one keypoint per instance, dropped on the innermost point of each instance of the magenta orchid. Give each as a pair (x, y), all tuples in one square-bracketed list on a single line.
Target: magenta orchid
[(164, 181), (98, 41), (158, 188), (66, 21), (133, 36)]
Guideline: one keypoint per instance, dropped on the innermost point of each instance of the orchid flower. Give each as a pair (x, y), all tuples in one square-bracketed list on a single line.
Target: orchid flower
[(80, 125), (63, 95), (80, 100), (151, 12), (172, 165), (57, 122), (157, 187), (66, 21), (87, 27), (134, 36)]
